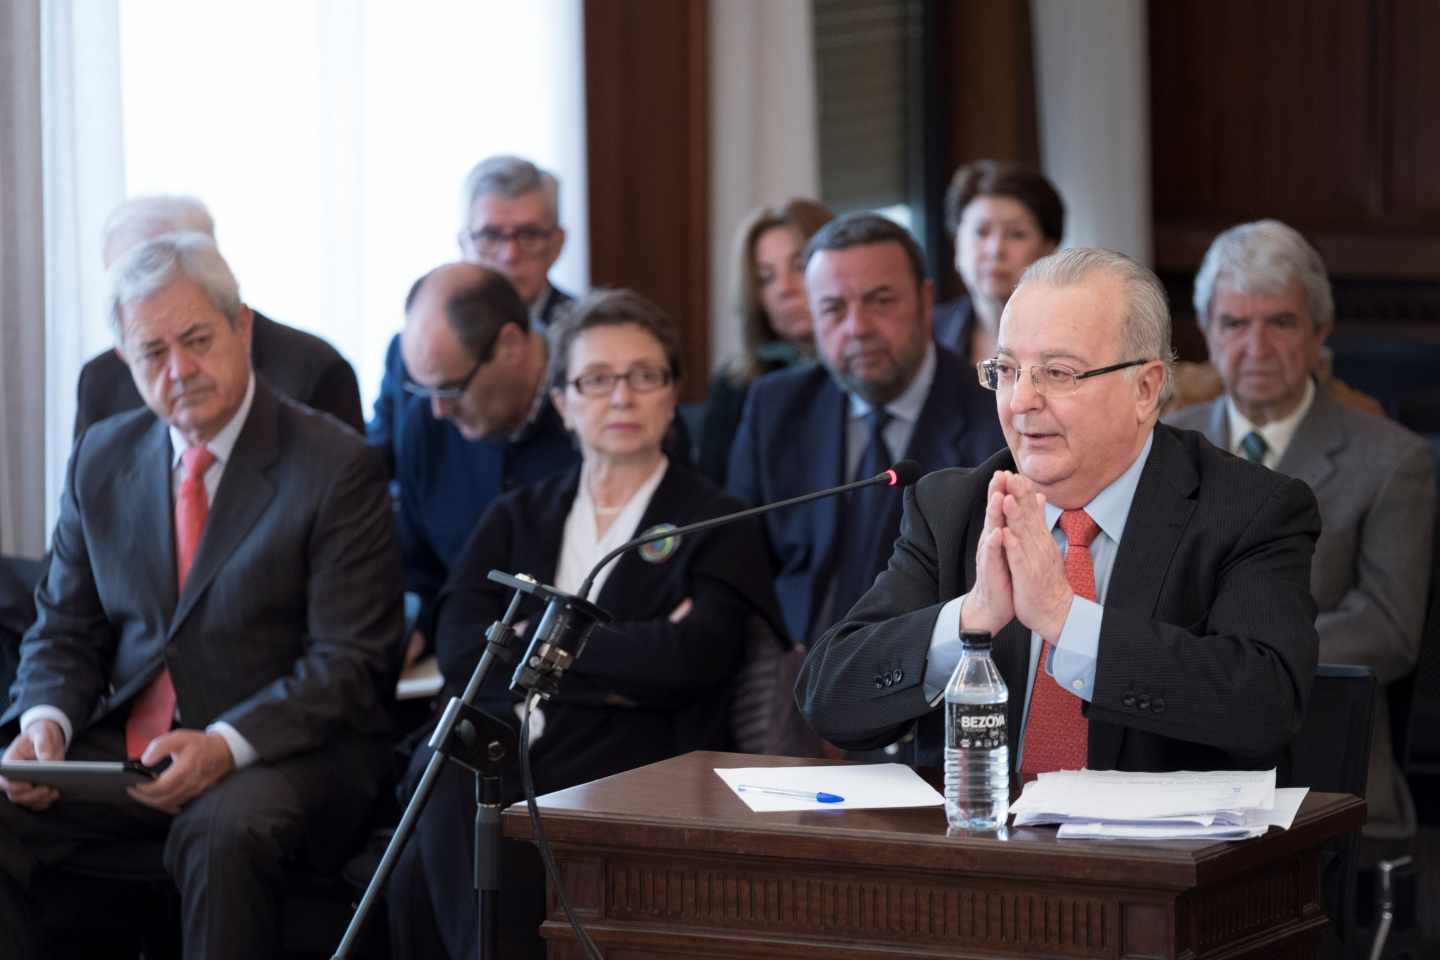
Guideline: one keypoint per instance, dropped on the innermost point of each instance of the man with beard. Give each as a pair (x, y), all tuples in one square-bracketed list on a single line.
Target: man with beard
[(881, 391)]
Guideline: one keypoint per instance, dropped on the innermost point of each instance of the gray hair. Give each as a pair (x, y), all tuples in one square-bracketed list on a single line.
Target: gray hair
[(154, 265), (509, 177), (149, 216), (1264, 257), (1146, 328)]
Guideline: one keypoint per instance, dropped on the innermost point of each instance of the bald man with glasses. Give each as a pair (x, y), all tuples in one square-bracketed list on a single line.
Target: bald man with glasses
[(1148, 594), (510, 223), (478, 422)]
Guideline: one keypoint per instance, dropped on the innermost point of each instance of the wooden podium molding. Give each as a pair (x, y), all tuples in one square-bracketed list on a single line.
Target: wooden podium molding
[(665, 861)]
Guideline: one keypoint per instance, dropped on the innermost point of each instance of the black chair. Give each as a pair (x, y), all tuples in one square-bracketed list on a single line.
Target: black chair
[(1331, 754), (1415, 705), (1395, 371), (18, 577)]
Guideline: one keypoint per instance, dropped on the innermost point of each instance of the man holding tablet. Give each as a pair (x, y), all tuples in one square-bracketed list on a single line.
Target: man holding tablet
[(223, 600)]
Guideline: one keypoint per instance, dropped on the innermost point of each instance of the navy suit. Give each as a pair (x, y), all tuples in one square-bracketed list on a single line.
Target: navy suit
[(954, 320), (792, 441), (383, 430)]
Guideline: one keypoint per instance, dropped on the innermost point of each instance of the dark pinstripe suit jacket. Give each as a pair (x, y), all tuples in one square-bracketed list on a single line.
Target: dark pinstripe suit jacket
[(1207, 647), (289, 624)]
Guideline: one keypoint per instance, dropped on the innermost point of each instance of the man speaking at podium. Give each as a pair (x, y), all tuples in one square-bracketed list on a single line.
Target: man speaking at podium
[(1149, 594)]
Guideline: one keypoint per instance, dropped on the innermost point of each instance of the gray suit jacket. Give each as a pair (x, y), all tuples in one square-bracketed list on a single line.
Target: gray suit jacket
[(289, 625), (1375, 484)]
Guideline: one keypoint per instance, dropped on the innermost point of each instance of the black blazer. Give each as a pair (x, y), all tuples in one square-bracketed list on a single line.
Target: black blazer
[(1207, 647), (300, 365), (792, 441), (645, 688), (289, 625), (953, 321)]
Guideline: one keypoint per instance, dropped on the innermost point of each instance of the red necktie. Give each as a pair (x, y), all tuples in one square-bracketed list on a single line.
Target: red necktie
[(153, 712), (1056, 732)]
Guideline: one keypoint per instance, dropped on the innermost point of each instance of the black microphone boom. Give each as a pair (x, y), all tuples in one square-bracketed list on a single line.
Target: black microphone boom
[(902, 474)]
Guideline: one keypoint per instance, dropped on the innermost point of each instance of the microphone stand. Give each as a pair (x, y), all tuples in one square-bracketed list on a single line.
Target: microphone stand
[(479, 742)]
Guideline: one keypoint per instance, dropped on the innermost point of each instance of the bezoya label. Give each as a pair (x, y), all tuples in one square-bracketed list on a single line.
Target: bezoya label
[(977, 726)]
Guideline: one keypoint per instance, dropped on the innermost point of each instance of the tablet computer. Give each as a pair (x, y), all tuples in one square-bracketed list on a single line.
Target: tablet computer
[(92, 780)]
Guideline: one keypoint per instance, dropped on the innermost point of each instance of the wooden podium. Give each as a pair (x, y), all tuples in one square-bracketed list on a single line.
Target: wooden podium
[(665, 861)]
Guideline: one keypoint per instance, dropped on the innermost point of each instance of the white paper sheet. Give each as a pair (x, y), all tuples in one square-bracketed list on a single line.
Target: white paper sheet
[(1256, 823), (863, 787), (1198, 798)]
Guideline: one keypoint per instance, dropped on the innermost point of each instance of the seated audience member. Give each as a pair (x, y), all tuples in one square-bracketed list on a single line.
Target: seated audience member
[(768, 287), (1262, 297), (655, 682), (300, 365), (1176, 631), (488, 424), (257, 658), (1003, 217), (509, 222), (882, 391)]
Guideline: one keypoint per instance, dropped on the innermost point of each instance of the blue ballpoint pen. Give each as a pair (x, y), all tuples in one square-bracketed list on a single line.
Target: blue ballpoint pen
[(817, 796)]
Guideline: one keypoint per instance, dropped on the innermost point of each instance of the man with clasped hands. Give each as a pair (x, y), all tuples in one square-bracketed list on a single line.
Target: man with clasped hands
[(1148, 593)]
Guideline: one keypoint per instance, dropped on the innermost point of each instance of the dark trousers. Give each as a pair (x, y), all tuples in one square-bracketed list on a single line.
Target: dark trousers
[(431, 897), (226, 851)]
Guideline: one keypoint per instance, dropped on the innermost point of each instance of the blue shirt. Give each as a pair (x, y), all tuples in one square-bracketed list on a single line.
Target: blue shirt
[(1072, 663)]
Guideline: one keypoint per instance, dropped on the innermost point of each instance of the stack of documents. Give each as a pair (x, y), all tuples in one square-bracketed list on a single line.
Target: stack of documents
[(1221, 805)]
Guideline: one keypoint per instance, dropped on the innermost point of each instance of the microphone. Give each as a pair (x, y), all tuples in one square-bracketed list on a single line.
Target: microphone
[(569, 620), (902, 474)]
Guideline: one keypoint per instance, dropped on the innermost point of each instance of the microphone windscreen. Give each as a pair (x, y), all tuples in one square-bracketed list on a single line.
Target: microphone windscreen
[(906, 472)]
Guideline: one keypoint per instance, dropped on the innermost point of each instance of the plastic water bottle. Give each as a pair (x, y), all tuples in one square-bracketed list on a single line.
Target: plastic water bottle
[(977, 740)]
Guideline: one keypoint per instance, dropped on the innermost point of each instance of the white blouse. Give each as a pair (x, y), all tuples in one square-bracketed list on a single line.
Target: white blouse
[(581, 548)]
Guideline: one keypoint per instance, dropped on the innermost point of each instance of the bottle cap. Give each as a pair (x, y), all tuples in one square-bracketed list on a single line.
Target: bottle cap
[(975, 639)]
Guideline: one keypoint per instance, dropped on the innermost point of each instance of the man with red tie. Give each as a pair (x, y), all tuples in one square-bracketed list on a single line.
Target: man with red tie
[(223, 599), (1148, 594)]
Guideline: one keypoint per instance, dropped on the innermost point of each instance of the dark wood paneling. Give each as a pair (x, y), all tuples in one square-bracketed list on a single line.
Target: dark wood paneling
[(1264, 109), (1321, 114), (1413, 33), (647, 125), (985, 68)]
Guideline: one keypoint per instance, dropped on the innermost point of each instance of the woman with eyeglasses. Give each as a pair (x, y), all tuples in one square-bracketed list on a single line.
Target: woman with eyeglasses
[(655, 682)]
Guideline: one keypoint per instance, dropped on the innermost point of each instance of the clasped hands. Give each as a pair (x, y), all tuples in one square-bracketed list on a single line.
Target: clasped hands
[(1019, 571)]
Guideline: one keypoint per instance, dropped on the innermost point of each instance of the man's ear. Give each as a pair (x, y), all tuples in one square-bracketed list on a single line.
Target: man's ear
[(1148, 387), (510, 342), (557, 241)]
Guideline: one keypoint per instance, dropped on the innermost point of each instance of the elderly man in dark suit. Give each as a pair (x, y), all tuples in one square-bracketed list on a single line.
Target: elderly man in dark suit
[(1148, 594), (883, 391), (300, 365), (250, 642), (1263, 301)]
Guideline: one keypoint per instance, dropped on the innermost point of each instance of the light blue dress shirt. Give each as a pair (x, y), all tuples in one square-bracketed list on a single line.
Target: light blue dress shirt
[(1072, 663)]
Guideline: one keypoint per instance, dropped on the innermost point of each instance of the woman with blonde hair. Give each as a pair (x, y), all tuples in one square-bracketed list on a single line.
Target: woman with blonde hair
[(769, 299)]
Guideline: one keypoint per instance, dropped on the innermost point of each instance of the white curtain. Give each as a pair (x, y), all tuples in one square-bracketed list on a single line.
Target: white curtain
[(84, 179), (762, 130), (1093, 87), (22, 333), (329, 139)]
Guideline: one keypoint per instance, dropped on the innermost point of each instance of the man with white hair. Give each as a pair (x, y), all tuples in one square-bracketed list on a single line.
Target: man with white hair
[(509, 222), (300, 365), (223, 601), (1263, 301), (1148, 595)]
